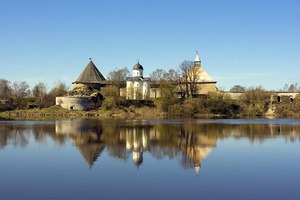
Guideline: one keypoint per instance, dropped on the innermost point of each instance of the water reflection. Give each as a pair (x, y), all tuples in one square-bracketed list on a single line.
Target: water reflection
[(190, 141)]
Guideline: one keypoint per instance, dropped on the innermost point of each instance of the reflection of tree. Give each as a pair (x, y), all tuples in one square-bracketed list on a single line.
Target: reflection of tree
[(15, 135), (164, 141), (115, 142), (19, 138), (117, 151), (187, 144), (191, 142), (4, 134), (39, 131), (58, 139)]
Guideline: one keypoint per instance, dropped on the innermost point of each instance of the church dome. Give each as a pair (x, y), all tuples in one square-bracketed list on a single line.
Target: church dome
[(138, 66)]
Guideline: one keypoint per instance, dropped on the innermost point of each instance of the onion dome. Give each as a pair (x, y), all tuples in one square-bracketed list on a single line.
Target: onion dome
[(138, 66)]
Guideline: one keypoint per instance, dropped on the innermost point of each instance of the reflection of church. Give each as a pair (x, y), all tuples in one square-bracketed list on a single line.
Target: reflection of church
[(195, 147), (137, 141), (91, 139)]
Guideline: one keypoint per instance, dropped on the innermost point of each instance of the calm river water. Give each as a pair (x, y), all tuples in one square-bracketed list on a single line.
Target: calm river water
[(150, 159)]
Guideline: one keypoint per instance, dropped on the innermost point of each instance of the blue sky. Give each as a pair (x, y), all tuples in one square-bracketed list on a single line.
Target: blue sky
[(240, 42)]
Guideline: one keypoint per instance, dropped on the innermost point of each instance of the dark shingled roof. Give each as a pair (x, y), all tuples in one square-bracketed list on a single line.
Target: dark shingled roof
[(137, 66), (90, 74)]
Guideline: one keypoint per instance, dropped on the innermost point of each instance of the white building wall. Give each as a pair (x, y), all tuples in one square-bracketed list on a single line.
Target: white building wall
[(129, 89), (138, 90), (146, 90), (137, 72)]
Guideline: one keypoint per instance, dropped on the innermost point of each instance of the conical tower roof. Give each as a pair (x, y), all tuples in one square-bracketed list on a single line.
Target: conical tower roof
[(197, 59), (201, 75), (90, 74)]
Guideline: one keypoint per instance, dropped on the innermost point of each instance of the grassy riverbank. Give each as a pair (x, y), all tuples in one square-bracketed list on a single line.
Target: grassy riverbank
[(57, 112), (255, 104)]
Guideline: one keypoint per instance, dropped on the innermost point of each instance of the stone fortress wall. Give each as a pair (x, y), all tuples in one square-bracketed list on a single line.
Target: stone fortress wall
[(76, 103)]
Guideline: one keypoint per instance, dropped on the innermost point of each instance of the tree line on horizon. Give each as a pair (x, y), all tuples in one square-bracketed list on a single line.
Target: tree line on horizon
[(255, 100), (18, 95)]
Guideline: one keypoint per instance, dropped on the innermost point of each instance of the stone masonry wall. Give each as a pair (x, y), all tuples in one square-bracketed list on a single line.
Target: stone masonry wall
[(76, 103)]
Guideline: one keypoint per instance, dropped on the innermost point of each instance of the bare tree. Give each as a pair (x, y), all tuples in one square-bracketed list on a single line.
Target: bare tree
[(5, 95), (60, 89), (20, 90), (185, 68), (237, 89), (118, 77), (285, 88), (157, 75), (193, 80), (171, 76), (290, 88), (156, 78), (39, 92), (5, 89), (294, 88)]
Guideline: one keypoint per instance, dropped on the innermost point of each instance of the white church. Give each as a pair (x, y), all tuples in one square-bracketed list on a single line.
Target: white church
[(137, 86)]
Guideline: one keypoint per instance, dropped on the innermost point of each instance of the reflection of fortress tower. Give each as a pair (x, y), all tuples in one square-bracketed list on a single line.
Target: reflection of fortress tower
[(137, 139), (197, 147), (90, 152), (85, 136), (198, 154)]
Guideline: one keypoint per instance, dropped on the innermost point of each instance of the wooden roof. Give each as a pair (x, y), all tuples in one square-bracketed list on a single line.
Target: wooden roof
[(90, 74)]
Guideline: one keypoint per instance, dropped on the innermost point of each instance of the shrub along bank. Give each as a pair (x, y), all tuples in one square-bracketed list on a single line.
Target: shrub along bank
[(253, 103)]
